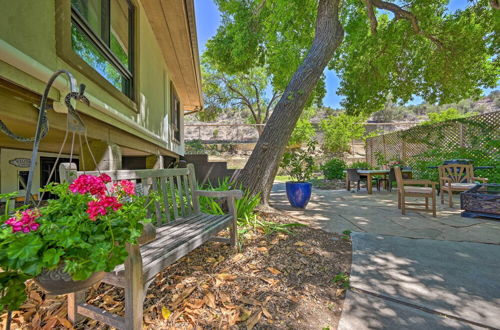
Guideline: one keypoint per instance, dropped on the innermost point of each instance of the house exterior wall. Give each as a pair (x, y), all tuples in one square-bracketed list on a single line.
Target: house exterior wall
[(9, 173), (29, 27)]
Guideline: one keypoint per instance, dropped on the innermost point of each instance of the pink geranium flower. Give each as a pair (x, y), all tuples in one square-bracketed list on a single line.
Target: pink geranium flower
[(24, 221), (101, 206), (89, 184), (125, 186)]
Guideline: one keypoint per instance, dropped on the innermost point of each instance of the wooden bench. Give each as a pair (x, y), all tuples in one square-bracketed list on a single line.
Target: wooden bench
[(179, 228)]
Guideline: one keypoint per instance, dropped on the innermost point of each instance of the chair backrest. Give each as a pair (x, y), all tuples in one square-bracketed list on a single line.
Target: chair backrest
[(352, 174), (399, 176), (175, 186), (458, 173), (392, 174)]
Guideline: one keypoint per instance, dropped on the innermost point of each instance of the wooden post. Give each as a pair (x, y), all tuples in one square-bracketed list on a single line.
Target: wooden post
[(134, 289), (194, 185), (233, 229)]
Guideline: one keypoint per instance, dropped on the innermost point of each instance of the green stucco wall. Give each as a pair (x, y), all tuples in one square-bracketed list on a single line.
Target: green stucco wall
[(30, 27)]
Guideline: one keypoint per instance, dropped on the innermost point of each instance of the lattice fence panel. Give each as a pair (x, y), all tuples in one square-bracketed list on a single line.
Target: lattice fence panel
[(477, 137)]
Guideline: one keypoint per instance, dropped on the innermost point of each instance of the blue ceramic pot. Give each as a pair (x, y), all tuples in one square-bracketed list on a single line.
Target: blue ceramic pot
[(298, 193)]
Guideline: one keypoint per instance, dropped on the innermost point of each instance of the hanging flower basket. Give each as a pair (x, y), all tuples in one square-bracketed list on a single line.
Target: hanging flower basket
[(69, 244), (57, 281)]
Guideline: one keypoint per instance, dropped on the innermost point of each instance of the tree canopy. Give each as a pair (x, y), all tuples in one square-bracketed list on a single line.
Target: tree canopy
[(403, 49), (377, 48), (241, 91)]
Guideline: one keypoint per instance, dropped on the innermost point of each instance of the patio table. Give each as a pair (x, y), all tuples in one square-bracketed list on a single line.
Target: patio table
[(369, 175)]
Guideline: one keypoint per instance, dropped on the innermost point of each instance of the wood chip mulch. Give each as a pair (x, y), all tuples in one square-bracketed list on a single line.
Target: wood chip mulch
[(276, 280)]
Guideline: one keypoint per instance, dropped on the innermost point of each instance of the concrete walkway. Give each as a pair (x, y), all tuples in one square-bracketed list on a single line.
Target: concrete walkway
[(413, 271), (422, 284)]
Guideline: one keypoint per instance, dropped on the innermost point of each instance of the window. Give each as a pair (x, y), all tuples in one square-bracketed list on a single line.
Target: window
[(102, 35), (175, 113), (22, 179)]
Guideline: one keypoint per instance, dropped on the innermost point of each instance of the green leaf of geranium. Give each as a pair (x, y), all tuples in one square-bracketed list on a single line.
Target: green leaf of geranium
[(51, 257), (24, 248)]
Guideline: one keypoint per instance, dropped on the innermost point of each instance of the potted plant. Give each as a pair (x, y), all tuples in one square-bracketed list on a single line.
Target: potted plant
[(69, 243), (300, 166)]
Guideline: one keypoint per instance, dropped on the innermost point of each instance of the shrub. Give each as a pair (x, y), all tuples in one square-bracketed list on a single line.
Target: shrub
[(334, 168), (361, 165), (194, 147), (340, 130), (244, 206)]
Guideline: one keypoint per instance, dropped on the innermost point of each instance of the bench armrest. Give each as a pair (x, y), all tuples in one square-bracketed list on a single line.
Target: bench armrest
[(219, 194), (480, 179), (445, 179), (412, 182)]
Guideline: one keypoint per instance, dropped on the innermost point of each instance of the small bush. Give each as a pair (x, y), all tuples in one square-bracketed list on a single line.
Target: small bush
[(244, 206), (361, 165), (334, 168)]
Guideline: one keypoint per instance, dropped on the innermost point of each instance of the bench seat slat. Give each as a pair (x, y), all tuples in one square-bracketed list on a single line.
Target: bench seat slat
[(172, 234), (188, 245), (172, 243)]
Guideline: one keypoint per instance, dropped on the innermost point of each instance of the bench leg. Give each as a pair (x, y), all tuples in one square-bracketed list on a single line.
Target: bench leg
[(134, 289), (233, 228), (74, 299)]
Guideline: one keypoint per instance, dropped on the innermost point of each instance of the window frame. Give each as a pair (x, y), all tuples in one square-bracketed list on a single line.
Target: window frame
[(64, 49), (175, 113)]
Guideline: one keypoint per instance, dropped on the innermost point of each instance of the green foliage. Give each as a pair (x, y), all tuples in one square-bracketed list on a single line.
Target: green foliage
[(247, 216), (244, 206), (300, 163), (436, 156), (194, 147), (347, 234), (448, 114), (334, 168), (395, 61), (342, 279), (304, 131), (241, 91), (361, 165), (340, 130), (66, 236)]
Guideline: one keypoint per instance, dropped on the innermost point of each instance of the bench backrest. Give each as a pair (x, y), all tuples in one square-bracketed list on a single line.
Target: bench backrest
[(176, 187)]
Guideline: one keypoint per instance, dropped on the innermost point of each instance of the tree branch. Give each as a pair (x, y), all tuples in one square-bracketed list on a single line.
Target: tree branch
[(257, 97), (371, 16), (400, 13), (275, 96)]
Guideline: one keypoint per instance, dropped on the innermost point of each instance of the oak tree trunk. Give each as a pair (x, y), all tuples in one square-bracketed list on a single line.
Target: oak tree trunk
[(262, 166)]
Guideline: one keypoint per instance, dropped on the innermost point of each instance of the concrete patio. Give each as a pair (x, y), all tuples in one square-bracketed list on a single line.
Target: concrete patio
[(339, 210), (413, 271)]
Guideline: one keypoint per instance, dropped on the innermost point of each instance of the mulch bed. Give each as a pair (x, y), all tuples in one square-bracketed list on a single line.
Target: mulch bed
[(277, 280)]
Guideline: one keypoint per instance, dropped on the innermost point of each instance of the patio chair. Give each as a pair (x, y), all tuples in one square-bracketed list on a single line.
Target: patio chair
[(456, 177), (391, 177), (354, 176), (407, 188)]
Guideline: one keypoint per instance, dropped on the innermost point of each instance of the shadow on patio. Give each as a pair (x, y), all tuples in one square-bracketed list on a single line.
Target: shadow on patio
[(429, 277)]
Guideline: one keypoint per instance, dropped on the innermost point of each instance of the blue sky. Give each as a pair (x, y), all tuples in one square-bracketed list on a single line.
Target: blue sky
[(208, 19)]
